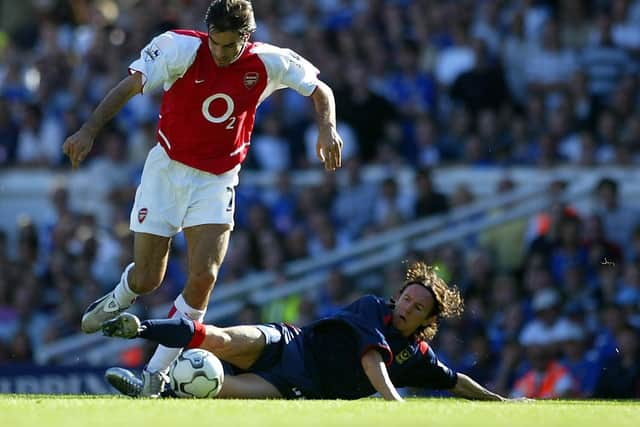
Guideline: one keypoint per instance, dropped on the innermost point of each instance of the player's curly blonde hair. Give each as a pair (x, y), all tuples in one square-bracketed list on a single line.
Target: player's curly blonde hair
[(448, 300)]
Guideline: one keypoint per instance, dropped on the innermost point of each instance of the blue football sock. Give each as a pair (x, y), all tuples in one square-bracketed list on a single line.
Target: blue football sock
[(176, 332)]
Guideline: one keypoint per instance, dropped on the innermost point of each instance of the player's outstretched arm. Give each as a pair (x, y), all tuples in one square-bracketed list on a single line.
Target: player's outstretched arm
[(78, 145), (377, 373), (329, 144), (469, 389)]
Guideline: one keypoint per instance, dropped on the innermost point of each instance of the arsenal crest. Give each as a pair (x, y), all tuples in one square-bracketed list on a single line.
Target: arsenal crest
[(142, 214), (250, 79)]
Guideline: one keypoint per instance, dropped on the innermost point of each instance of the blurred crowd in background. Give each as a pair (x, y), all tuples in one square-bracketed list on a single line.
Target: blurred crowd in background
[(552, 301)]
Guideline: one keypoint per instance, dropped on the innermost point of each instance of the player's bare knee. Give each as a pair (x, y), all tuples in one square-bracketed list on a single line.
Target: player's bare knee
[(202, 280), (217, 339)]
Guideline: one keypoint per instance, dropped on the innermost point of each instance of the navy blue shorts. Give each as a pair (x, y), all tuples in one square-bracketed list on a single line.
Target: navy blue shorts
[(282, 363)]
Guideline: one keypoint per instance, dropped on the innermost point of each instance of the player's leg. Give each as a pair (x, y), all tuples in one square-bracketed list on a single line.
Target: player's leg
[(243, 386), (248, 386), (241, 346), (155, 218), (238, 345), (206, 247), (205, 213), (151, 253)]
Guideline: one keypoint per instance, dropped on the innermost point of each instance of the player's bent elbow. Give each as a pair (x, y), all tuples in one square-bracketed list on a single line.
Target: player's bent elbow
[(322, 92)]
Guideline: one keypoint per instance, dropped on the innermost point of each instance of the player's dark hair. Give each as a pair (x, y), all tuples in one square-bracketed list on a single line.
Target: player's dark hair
[(448, 301), (230, 15)]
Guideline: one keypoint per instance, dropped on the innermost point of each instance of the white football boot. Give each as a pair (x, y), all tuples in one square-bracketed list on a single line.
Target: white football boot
[(101, 310)]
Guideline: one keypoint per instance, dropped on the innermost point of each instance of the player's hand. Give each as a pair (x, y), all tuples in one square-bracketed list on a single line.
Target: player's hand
[(77, 146), (329, 148)]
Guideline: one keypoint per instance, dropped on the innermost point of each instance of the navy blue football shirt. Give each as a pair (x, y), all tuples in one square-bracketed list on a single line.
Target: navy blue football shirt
[(337, 344)]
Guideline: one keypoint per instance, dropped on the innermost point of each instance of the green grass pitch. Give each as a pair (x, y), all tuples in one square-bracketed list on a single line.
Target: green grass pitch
[(97, 411)]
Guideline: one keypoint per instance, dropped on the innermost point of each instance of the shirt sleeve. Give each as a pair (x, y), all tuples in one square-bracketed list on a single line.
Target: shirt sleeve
[(433, 373), (286, 68), (300, 75), (165, 59)]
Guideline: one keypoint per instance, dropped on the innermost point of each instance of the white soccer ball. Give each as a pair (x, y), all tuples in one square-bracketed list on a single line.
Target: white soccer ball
[(196, 373)]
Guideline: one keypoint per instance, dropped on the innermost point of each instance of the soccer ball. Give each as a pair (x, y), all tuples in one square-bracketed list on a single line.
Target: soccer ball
[(196, 373)]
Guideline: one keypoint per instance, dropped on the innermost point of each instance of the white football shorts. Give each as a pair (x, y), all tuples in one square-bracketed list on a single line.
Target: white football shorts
[(172, 196)]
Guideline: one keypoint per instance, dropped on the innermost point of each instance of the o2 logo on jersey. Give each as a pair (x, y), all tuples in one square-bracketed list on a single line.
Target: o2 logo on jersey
[(224, 117)]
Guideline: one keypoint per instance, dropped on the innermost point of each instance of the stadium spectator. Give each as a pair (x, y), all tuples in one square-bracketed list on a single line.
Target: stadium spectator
[(353, 206), (548, 319), (454, 59), (31, 141), (285, 309), (619, 218), (410, 89), (483, 86), (20, 350), (428, 201), (505, 242), (625, 31), (424, 143), (9, 132), (514, 54), (569, 249), (603, 62), (550, 65), (583, 364), (503, 330), (364, 110), (620, 376), (546, 378), (391, 203), (270, 149)]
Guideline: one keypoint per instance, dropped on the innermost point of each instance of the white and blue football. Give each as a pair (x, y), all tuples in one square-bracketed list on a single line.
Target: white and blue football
[(196, 373)]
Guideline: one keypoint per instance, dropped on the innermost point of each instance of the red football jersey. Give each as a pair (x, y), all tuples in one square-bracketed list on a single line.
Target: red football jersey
[(207, 112)]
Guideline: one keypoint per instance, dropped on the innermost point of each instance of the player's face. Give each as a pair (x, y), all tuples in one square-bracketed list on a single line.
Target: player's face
[(225, 46), (412, 309)]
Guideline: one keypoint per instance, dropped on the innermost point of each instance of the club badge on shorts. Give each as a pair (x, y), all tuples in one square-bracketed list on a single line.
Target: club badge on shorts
[(250, 79), (142, 214)]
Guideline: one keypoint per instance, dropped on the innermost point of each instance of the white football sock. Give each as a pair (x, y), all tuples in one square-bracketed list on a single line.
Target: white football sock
[(187, 311), (122, 292), (164, 356)]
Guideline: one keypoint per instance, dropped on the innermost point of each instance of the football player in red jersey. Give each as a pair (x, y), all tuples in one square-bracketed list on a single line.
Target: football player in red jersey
[(213, 83)]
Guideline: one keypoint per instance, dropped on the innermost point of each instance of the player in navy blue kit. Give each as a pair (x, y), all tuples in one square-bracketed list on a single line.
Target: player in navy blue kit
[(370, 346)]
